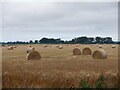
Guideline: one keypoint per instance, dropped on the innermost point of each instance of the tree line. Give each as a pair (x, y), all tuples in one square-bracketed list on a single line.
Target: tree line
[(78, 40)]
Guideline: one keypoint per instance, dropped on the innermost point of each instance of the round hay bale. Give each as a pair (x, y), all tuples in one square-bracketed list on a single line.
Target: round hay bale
[(86, 51), (10, 48), (100, 54), (57, 46), (100, 46), (76, 51), (33, 55), (14, 46), (30, 49), (60, 47), (113, 46), (76, 45), (3, 45), (44, 46)]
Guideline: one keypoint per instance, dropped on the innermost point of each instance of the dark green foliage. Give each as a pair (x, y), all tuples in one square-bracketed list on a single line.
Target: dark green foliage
[(84, 84), (51, 40), (36, 41), (98, 83), (81, 40), (31, 42)]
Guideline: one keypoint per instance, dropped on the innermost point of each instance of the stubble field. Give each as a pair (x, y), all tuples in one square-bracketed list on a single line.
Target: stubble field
[(58, 68)]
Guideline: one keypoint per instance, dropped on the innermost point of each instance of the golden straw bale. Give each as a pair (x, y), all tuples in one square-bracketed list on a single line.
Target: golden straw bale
[(86, 51), (10, 48), (57, 46), (60, 47), (44, 46), (100, 46), (100, 54), (33, 55), (76, 51), (3, 45), (30, 49), (113, 46)]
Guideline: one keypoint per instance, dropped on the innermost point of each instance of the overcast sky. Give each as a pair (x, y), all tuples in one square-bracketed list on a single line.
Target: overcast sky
[(26, 21)]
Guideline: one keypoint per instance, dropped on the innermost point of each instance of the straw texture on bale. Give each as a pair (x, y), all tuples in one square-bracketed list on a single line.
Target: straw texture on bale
[(60, 47), (113, 46), (100, 54), (3, 45), (76, 45), (10, 48), (30, 49), (33, 55), (76, 51), (86, 51), (57, 46), (44, 45), (100, 46)]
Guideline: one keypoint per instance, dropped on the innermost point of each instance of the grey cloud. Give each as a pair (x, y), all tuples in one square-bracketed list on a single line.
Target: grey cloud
[(65, 20)]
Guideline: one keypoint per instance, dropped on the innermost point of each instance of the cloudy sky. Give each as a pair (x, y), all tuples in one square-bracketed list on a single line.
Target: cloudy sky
[(26, 21)]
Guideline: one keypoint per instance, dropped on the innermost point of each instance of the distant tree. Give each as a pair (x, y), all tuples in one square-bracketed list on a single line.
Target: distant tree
[(83, 40), (73, 40), (62, 42), (104, 40), (46, 40), (90, 40), (108, 40), (26, 42), (31, 42), (58, 40), (66, 42), (43, 40), (36, 41), (98, 39), (50, 40)]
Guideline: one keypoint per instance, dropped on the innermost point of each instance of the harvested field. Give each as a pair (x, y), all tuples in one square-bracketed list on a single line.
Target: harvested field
[(57, 67)]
